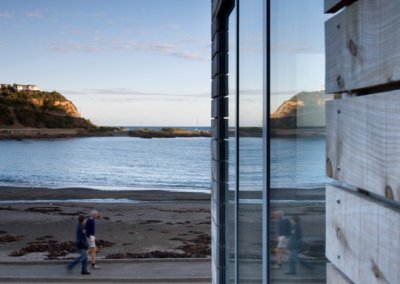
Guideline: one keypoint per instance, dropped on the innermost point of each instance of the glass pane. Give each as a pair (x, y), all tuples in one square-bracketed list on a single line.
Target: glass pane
[(232, 142), (297, 225), (250, 141)]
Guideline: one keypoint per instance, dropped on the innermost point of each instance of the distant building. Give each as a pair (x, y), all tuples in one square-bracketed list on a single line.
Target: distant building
[(20, 88)]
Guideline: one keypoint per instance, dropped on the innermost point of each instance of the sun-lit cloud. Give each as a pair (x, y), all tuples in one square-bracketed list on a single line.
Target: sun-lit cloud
[(6, 15)]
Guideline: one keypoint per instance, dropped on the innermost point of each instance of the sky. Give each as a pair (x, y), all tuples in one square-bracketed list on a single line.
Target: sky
[(125, 62), (147, 62), (297, 48)]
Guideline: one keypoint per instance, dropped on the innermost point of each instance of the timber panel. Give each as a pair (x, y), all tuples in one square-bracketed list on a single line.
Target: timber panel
[(363, 148), (362, 47), (334, 276), (365, 233), (332, 6)]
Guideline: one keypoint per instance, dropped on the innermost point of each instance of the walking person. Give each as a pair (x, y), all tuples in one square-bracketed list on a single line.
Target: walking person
[(82, 246), (284, 232), (294, 245), (90, 234)]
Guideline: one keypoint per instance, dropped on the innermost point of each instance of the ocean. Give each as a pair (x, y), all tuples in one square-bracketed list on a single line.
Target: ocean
[(178, 164)]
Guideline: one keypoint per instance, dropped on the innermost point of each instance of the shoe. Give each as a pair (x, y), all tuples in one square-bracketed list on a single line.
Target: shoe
[(95, 266), (85, 273)]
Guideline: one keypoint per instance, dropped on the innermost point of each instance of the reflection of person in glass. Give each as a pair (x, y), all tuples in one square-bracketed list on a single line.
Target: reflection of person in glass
[(294, 244), (284, 231)]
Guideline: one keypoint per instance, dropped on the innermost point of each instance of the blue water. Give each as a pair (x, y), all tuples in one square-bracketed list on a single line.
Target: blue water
[(180, 164)]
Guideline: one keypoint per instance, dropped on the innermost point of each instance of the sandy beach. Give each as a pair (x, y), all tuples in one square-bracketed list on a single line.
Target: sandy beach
[(163, 224), (155, 224)]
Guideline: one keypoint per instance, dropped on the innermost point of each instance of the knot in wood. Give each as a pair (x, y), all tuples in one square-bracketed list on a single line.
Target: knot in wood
[(375, 270), (389, 193), (340, 81), (329, 170), (352, 47), (338, 232)]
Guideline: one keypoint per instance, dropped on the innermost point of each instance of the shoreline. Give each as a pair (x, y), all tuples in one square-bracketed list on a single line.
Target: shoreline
[(86, 194), (44, 193)]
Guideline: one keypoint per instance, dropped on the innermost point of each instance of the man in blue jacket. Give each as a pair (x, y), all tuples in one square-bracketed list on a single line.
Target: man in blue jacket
[(284, 232), (90, 234), (82, 246)]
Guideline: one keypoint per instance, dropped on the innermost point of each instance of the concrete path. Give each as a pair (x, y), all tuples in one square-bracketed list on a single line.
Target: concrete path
[(148, 271), (135, 271)]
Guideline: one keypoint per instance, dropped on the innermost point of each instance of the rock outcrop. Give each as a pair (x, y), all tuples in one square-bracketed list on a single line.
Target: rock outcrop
[(306, 109), (37, 109)]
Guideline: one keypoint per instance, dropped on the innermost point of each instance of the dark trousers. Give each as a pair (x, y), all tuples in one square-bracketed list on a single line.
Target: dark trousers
[(293, 260), (83, 256)]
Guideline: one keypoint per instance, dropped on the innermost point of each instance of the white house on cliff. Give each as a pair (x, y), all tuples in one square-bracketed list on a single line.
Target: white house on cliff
[(20, 88)]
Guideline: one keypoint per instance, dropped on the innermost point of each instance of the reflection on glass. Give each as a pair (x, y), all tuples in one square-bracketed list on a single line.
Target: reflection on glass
[(249, 210), (297, 225), (232, 144)]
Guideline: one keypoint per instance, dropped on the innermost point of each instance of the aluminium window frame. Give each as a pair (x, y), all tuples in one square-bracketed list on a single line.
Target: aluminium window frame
[(221, 10)]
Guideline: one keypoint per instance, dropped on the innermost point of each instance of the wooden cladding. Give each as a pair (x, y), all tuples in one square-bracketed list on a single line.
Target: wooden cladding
[(363, 239), (334, 276), (363, 142), (332, 6), (362, 46)]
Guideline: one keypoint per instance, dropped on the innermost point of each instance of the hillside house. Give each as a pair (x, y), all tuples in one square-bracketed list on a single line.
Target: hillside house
[(20, 88)]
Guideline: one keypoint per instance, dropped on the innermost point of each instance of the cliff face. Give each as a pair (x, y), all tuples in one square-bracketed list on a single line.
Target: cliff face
[(39, 110), (306, 109), (56, 106)]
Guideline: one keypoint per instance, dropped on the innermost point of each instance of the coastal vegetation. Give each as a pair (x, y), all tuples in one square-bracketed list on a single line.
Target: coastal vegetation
[(39, 109), (168, 133)]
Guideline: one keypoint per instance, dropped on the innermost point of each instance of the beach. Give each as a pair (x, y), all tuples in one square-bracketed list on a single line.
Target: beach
[(39, 223), (156, 224)]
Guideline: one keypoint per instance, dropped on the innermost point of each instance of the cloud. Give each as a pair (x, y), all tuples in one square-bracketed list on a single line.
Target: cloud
[(291, 47), (89, 14), (6, 15), (171, 26), (162, 48), (131, 94), (73, 46), (38, 14)]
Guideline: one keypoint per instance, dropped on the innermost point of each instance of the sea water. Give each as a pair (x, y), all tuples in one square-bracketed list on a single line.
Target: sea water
[(177, 164)]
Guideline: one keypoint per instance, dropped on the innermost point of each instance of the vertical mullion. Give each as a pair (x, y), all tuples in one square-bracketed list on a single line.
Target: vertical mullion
[(266, 140), (237, 156)]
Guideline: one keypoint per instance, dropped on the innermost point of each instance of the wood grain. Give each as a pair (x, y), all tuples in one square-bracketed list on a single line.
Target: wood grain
[(334, 276), (362, 47), (365, 234), (332, 6), (363, 148)]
